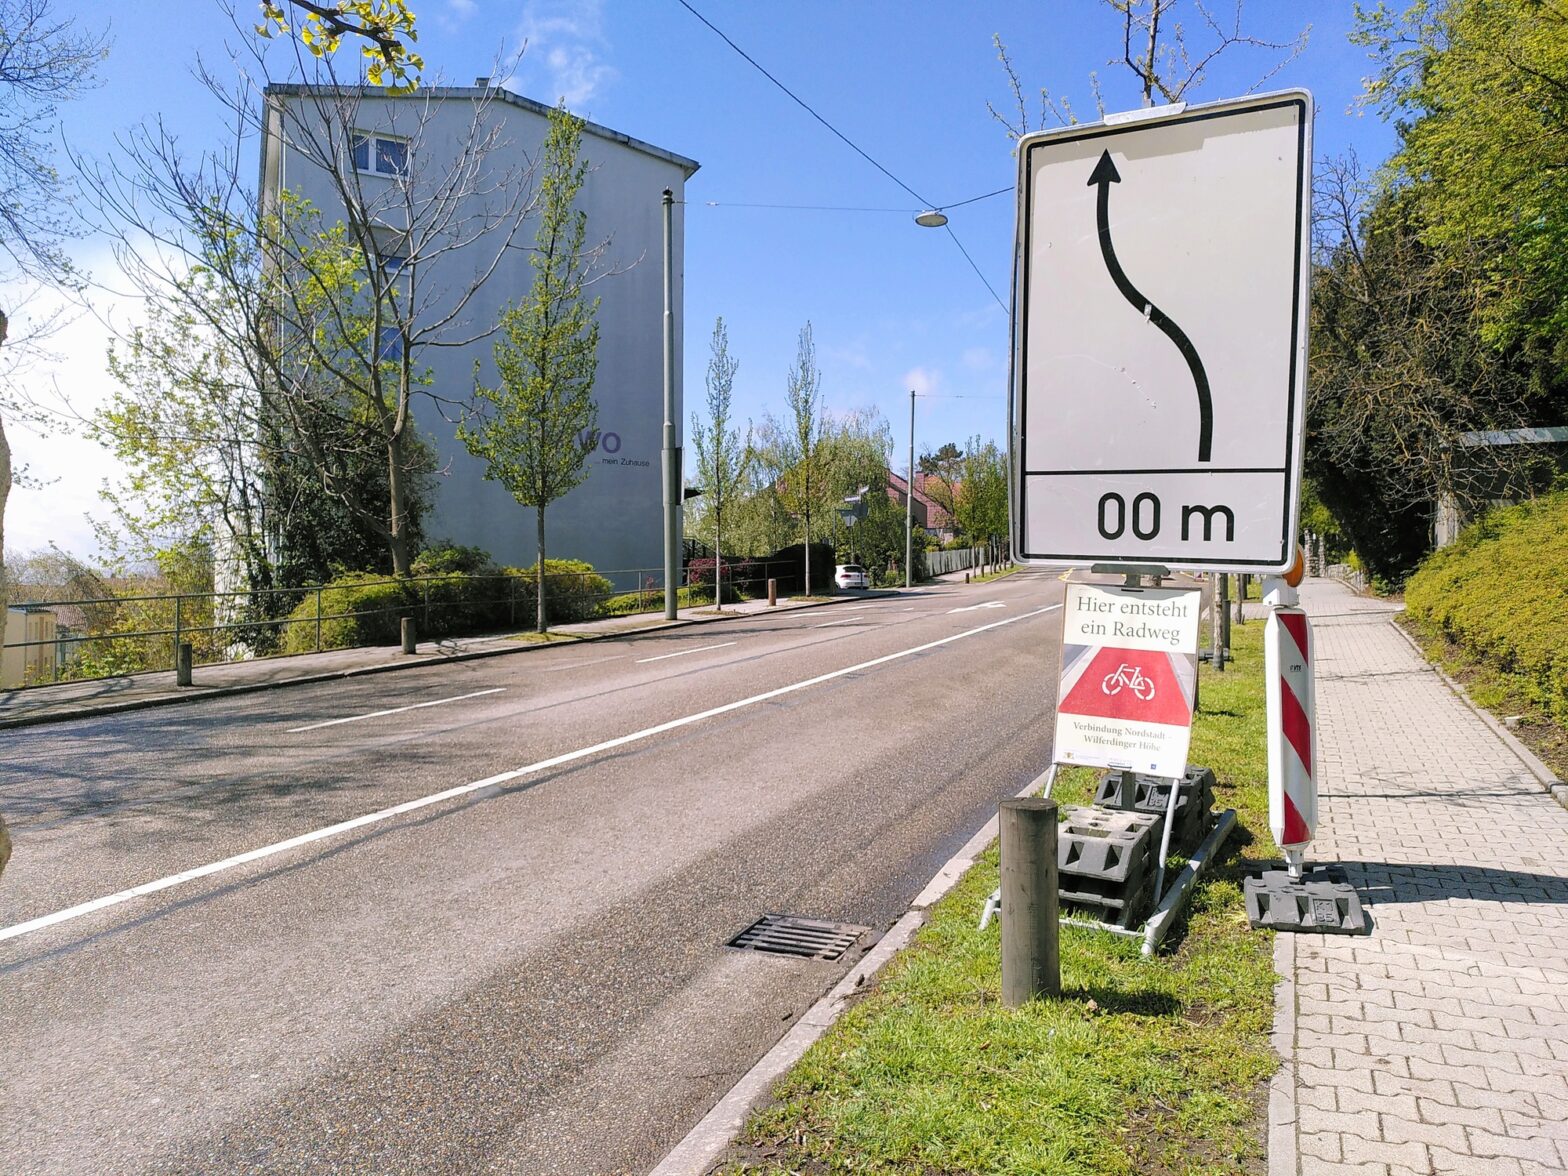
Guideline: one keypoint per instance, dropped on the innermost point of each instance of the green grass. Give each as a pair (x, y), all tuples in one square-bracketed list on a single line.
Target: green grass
[(1141, 1067), (1496, 594)]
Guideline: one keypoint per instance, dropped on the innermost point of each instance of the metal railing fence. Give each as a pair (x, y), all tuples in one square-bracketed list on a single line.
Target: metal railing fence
[(113, 636)]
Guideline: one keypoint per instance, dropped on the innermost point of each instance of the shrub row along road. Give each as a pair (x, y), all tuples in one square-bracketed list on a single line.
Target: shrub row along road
[(528, 974)]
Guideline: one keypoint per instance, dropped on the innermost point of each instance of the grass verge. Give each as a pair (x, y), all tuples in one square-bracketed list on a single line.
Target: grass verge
[(1149, 1067)]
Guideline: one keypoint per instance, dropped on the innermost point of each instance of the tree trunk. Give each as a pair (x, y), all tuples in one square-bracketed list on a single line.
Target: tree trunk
[(539, 571), (807, 590), (397, 538)]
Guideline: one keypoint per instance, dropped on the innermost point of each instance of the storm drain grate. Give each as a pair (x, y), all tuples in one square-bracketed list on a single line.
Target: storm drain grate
[(813, 939)]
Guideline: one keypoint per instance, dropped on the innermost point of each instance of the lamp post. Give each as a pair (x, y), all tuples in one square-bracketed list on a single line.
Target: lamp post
[(670, 454), (909, 502)]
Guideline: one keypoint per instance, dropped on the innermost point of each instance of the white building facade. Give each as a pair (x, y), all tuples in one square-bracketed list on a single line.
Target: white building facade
[(614, 520)]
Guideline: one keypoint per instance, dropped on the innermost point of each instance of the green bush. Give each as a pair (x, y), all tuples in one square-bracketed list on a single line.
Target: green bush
[(573, 591), (1497, 592), (361, 608), (357, 608)]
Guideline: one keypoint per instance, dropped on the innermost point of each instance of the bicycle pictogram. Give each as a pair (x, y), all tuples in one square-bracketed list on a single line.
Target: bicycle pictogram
[(1130, 676)]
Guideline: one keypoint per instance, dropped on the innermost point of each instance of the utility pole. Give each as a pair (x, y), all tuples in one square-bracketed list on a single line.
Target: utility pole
[(671, 454), (909, 502)]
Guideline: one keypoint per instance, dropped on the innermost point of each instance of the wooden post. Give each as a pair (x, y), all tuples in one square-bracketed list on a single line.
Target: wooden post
[(1031, 965), (773, 592)]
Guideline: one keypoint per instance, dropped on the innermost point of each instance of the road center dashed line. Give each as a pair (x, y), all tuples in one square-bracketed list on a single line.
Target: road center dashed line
[(148, 888), (396, 710), (684, 652), (840, 621)]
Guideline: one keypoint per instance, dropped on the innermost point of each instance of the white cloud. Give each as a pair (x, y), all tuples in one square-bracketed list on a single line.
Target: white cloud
[(564, 39), (922, 381), (462, 9), (979, 359)]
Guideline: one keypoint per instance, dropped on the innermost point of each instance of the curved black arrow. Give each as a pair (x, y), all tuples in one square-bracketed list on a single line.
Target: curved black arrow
[(1105, 174)]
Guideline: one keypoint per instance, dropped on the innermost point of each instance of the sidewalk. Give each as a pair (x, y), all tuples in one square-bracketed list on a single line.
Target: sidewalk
[(1438, 1044), (69, 700)]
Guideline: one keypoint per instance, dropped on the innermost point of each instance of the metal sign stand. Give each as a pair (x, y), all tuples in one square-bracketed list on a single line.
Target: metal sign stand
[(1168, 903)]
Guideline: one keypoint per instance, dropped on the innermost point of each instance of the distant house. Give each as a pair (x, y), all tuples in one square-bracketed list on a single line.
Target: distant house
[(929, 514), (614, 519)]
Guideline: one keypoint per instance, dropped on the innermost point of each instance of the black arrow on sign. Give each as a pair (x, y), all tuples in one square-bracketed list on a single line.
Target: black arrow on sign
[(1105, 174)]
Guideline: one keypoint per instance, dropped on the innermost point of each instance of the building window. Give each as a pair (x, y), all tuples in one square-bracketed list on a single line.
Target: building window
[(380, 155)]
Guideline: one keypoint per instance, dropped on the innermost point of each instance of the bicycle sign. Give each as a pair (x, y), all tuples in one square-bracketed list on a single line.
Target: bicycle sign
[(1131, 677), (1129, 665)]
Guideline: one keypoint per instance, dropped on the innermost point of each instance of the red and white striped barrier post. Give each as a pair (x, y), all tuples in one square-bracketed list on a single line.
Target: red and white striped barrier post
[(1293, 790)]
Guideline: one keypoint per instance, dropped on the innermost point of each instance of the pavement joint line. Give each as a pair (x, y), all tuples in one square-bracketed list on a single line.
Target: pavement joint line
[(1548, 778), (191, 875), (642, 661), (695, 1154), (396, 710)]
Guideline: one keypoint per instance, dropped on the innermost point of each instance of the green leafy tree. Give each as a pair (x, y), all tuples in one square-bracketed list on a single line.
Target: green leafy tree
[(1480, 90), (385, 28), (535, 429), (723, 455), (980, 504), (795, 452)]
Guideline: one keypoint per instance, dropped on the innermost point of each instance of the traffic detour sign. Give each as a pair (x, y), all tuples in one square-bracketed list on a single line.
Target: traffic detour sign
[(1129, 667), (1159, 350)]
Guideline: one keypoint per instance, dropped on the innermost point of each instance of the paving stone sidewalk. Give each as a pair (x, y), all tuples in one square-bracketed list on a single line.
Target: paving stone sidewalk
[(1438, 1044)]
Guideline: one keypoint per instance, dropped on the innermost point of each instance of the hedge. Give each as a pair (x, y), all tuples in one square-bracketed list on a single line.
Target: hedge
[(361, 608), (1499, 593)]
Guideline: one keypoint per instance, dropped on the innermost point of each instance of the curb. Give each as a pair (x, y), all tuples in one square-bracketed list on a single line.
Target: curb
[(1553, 786), (417, 662), (705, 1143), (1282, 1087)]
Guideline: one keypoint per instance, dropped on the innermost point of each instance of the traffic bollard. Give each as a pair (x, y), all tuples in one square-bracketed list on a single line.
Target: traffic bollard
[(408, 635), (182, 664), (1031, 965), (773, 593), (1293, 791)]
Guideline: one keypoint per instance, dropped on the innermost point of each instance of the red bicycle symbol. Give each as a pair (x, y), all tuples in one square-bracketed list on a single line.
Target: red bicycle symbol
[(1130, 676)]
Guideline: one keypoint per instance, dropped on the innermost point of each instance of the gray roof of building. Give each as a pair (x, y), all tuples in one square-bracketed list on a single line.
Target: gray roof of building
[(689, 166)]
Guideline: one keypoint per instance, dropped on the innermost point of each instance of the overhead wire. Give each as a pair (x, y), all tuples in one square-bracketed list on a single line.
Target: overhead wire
[(855, 147)]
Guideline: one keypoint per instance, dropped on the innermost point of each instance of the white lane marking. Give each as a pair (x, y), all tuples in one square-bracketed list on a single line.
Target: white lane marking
[(555, 761), (840, 621), (983, 604), (684, 652), (397, 710)]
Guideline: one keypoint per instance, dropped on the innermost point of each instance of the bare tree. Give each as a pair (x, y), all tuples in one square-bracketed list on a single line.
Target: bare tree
[(44, 60), (1169, 67), (336, 303)]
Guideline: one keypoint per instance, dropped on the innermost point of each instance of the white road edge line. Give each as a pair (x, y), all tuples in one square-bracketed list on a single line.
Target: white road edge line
[(684, 652), (410, 806), (397, 710), (704, 1143)]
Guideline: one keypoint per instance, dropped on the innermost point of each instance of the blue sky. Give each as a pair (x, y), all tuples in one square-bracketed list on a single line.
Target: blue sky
[(893, 306)]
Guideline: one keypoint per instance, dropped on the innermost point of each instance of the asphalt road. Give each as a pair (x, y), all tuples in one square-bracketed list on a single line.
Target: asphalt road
[(528, 975)]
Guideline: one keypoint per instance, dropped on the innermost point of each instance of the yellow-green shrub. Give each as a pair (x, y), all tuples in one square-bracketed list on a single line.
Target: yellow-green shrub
[(1500, 591)]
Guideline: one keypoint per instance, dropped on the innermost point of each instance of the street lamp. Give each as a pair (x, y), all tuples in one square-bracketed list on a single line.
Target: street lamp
[(931, 218), (909, 501)]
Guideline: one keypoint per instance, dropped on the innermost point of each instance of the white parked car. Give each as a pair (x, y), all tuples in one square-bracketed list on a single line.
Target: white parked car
[(851, 576)]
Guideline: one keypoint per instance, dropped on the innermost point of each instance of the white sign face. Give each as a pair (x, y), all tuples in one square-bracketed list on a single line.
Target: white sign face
[(1129, 672), (1160, 343)]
